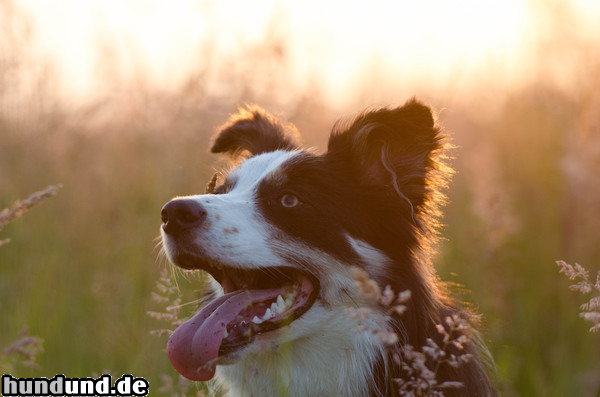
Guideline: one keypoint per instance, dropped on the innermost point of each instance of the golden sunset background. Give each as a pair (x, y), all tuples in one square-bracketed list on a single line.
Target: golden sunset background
[(117, 101)]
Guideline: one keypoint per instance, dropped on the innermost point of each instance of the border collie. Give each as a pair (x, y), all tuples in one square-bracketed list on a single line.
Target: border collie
[(281, 233)]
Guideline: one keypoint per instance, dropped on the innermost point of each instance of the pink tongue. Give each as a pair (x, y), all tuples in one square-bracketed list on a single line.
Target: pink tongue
[(193, 348)]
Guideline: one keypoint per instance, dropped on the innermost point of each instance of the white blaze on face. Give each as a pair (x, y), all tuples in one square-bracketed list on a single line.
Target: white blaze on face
[(375, 261), (234, 231)]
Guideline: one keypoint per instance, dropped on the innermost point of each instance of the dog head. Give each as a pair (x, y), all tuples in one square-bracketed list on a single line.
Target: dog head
[(281, 231)]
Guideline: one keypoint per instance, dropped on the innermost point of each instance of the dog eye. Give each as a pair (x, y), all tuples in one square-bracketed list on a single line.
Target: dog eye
[(289, 200)]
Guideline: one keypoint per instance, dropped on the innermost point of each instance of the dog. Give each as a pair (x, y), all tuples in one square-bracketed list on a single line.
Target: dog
[(280, 235)]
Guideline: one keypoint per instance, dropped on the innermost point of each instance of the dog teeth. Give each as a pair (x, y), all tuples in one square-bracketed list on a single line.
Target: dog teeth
[(226, 334), (280, 303), (277, 307), (257, 320), (289, 299), (268, 315)]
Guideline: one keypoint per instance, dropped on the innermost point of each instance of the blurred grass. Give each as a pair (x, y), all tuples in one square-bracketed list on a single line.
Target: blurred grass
[(79, 270), (502, 249)]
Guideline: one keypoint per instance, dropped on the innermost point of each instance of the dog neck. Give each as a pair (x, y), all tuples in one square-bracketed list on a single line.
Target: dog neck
[(328, 363)]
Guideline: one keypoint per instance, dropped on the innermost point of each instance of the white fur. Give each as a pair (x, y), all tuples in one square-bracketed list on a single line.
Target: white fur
[(319, 354), (334, 360), (374, 260), (232, 232)]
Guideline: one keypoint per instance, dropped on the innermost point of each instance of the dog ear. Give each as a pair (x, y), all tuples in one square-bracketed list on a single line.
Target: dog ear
[(392, 147), (254, 130)]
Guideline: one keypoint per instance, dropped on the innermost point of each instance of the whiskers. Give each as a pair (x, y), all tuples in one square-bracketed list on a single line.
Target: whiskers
[(197, 302), (159, 248), (168, 294), (163, 261)]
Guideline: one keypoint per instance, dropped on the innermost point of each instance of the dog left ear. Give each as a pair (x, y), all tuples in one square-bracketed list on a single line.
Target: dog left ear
[(393, 147), (254, 130)]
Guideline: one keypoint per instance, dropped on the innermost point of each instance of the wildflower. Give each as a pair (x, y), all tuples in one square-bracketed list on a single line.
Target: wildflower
[(591, 309), (388, 296), (27, 347), (367, 287), (20, 207), (420, 379), (419, 368), (167, 295)]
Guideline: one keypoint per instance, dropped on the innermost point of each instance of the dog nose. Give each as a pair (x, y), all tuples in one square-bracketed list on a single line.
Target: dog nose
[(180, 215)]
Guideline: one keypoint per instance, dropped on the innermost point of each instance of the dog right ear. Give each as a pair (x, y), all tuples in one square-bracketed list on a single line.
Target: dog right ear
[(255, 131)]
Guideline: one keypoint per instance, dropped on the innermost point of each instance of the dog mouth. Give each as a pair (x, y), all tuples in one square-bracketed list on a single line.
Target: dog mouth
[(255, 302)]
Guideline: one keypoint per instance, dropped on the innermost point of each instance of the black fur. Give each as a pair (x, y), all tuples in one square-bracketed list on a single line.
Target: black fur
[(381, 180), (254, 130)]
